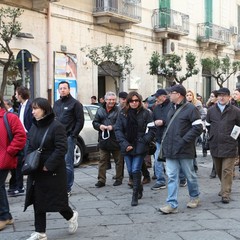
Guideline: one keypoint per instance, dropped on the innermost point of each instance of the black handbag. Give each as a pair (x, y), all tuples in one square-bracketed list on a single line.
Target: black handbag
[(32, 160)]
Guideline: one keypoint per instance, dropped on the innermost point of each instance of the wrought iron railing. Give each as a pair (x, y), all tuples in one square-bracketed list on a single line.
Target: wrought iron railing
[(209, 31), (165, 18), (128, 8)]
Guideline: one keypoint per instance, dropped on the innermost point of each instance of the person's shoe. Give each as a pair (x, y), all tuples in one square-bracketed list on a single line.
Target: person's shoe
[(225, 200), (146, 180), (16, 193), (183, 183), (114, 177), (193, 203), (4, 223), (38, 236), (117, 183), (154, 177), (109, 166), (130, 183), (99, 184), (158, 186), (168, 209), (220, 194), (213, 174), (73, 223)]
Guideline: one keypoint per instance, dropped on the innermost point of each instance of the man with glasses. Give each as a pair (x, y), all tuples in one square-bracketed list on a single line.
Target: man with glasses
[(178, 148), (221, 121), (104, 122)]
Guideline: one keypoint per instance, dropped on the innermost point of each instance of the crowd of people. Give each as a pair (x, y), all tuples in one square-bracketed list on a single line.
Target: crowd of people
[(174, 118)]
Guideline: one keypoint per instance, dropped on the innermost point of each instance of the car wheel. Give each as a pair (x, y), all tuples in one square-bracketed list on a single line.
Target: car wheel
[(78, 155)]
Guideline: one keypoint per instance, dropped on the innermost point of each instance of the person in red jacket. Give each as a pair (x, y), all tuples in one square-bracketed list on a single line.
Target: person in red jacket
[(8, 158)]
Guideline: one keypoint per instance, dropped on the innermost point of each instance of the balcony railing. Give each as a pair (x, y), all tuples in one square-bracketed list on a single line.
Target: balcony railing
[(165, 19), (208, 32), (128, 8)]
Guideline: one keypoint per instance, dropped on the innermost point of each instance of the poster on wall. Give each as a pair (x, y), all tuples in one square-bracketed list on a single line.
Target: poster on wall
[(65, 69)]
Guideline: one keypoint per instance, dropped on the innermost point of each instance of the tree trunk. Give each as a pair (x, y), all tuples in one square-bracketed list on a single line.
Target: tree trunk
[(4, 79)]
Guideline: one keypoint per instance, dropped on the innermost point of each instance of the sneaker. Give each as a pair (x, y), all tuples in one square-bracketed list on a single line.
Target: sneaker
[(117, 183), (16, 193), (168, 209), (193, 203), (183, 183), (4, 223), (99, 184), (146, 180), (73, 223), (158, 186), (38, 236)]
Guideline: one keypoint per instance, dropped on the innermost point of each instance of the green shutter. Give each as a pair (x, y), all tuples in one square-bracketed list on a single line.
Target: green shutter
[(165, 14), (208, 18)]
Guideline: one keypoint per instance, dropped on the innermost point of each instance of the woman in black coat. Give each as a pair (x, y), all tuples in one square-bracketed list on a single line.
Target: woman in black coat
[(134, 134), (47, 186)]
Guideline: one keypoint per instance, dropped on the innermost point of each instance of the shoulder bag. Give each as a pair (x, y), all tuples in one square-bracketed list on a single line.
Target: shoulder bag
[(32, 160)]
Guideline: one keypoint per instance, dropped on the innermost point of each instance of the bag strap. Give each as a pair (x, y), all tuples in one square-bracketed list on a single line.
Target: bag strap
[(5, 119), (43, 139), (173, 117)]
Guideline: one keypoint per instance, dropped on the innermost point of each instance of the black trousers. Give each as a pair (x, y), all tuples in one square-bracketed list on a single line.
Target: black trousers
[(40, 219)]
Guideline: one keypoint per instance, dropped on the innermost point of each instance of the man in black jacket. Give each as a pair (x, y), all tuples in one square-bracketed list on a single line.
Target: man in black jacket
[(179, 148), (104, 122), (221, 119), (69, 112)]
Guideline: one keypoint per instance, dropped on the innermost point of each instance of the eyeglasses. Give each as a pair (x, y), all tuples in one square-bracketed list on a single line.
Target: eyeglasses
[(134, 100)]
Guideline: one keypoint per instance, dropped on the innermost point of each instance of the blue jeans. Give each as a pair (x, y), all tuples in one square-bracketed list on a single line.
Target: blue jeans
[(159, 166), (4, 205), (173, 168), (134, 163), (69, 159)]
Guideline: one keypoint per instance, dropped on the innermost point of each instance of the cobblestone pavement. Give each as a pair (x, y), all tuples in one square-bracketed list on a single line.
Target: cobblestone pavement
[(106, 214)]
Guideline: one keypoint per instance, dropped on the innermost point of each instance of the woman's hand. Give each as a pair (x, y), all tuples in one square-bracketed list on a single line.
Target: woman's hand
[(129, 148)]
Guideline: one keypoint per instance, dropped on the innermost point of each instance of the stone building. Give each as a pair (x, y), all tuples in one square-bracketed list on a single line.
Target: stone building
[(60, 28)]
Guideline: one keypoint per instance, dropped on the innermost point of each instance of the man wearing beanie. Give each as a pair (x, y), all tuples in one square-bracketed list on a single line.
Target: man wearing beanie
[(183, 126)]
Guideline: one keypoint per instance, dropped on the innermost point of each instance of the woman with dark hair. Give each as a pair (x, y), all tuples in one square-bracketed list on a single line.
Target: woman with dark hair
[(47, 186), (8, 157), (134, 133)]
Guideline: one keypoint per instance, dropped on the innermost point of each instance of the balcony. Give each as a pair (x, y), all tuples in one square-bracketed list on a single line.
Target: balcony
[(168, 23), (125, 13), (212, 36)]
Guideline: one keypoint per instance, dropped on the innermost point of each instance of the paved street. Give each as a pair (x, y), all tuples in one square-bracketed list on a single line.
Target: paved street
[(106, 214)]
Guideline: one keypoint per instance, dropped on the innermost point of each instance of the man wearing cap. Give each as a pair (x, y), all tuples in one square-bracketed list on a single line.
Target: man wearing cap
[(122, 99), (178, 148), (160, 117), (221, 119)]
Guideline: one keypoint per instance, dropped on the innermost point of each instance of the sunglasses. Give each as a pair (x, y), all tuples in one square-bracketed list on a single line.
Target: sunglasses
[(134, 100)]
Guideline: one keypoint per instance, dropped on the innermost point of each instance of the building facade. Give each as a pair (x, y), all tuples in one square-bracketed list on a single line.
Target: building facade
[(60, 28)]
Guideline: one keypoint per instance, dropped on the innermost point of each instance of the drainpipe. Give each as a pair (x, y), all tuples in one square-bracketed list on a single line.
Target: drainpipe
[(49, 55)]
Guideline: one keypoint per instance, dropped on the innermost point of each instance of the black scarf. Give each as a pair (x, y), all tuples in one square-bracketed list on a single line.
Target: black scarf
[(132, 125)]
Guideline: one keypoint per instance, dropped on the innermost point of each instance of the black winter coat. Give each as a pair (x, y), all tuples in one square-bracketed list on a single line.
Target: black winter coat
[(160, 112), (221, 144), (141, 145), (106, 118), (179, 142), (47, 190), (69, 112)]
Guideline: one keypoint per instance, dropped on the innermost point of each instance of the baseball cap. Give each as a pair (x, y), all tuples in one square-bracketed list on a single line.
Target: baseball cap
[(160, 92), (151, 101), (179, 89)]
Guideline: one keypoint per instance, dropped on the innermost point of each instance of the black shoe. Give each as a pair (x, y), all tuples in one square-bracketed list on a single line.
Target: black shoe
[(213, 174), (183, 183), (16, 193), (117, 183), (99, 184), (225, 200)]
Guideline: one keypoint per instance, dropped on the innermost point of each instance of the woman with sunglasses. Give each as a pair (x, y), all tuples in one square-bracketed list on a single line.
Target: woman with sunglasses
[(134, 130)]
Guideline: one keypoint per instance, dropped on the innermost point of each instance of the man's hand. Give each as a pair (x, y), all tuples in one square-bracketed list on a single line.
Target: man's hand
[(158, 123), (129, 148)]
